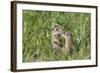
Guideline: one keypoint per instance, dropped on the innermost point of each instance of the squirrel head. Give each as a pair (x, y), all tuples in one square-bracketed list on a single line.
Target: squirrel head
[(67, 35), (57, 29)]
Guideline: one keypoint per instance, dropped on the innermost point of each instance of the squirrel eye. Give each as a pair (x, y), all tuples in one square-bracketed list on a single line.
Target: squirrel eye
[(67, 34), (57, 29)]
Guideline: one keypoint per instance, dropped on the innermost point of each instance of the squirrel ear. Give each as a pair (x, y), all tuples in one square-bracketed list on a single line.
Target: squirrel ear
[(53, 28), (71, 33)]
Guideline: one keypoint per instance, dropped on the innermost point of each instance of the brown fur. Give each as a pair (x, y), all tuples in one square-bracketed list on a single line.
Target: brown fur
[(68, 44), (56, 34)]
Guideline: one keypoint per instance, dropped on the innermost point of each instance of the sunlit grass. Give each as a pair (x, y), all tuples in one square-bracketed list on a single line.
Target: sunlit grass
[(37, 35)]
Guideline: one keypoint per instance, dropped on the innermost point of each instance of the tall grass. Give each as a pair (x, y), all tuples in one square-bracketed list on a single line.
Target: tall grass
[(37, 35)]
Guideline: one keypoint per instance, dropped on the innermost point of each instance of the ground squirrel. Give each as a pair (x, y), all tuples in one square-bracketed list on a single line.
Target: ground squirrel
[(56, 35), (68, 44)]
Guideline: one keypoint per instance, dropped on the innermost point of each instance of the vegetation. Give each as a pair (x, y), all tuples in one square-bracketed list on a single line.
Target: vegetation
[(37, 35)]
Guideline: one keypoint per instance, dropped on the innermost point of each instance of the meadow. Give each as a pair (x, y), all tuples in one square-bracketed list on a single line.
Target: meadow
[(37, 35)]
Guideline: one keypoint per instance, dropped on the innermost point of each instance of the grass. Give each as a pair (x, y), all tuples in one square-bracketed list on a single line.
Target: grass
[(37, 35)]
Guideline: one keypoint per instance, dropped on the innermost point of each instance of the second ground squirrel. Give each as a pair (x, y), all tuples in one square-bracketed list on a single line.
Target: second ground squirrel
[(68, 44)]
